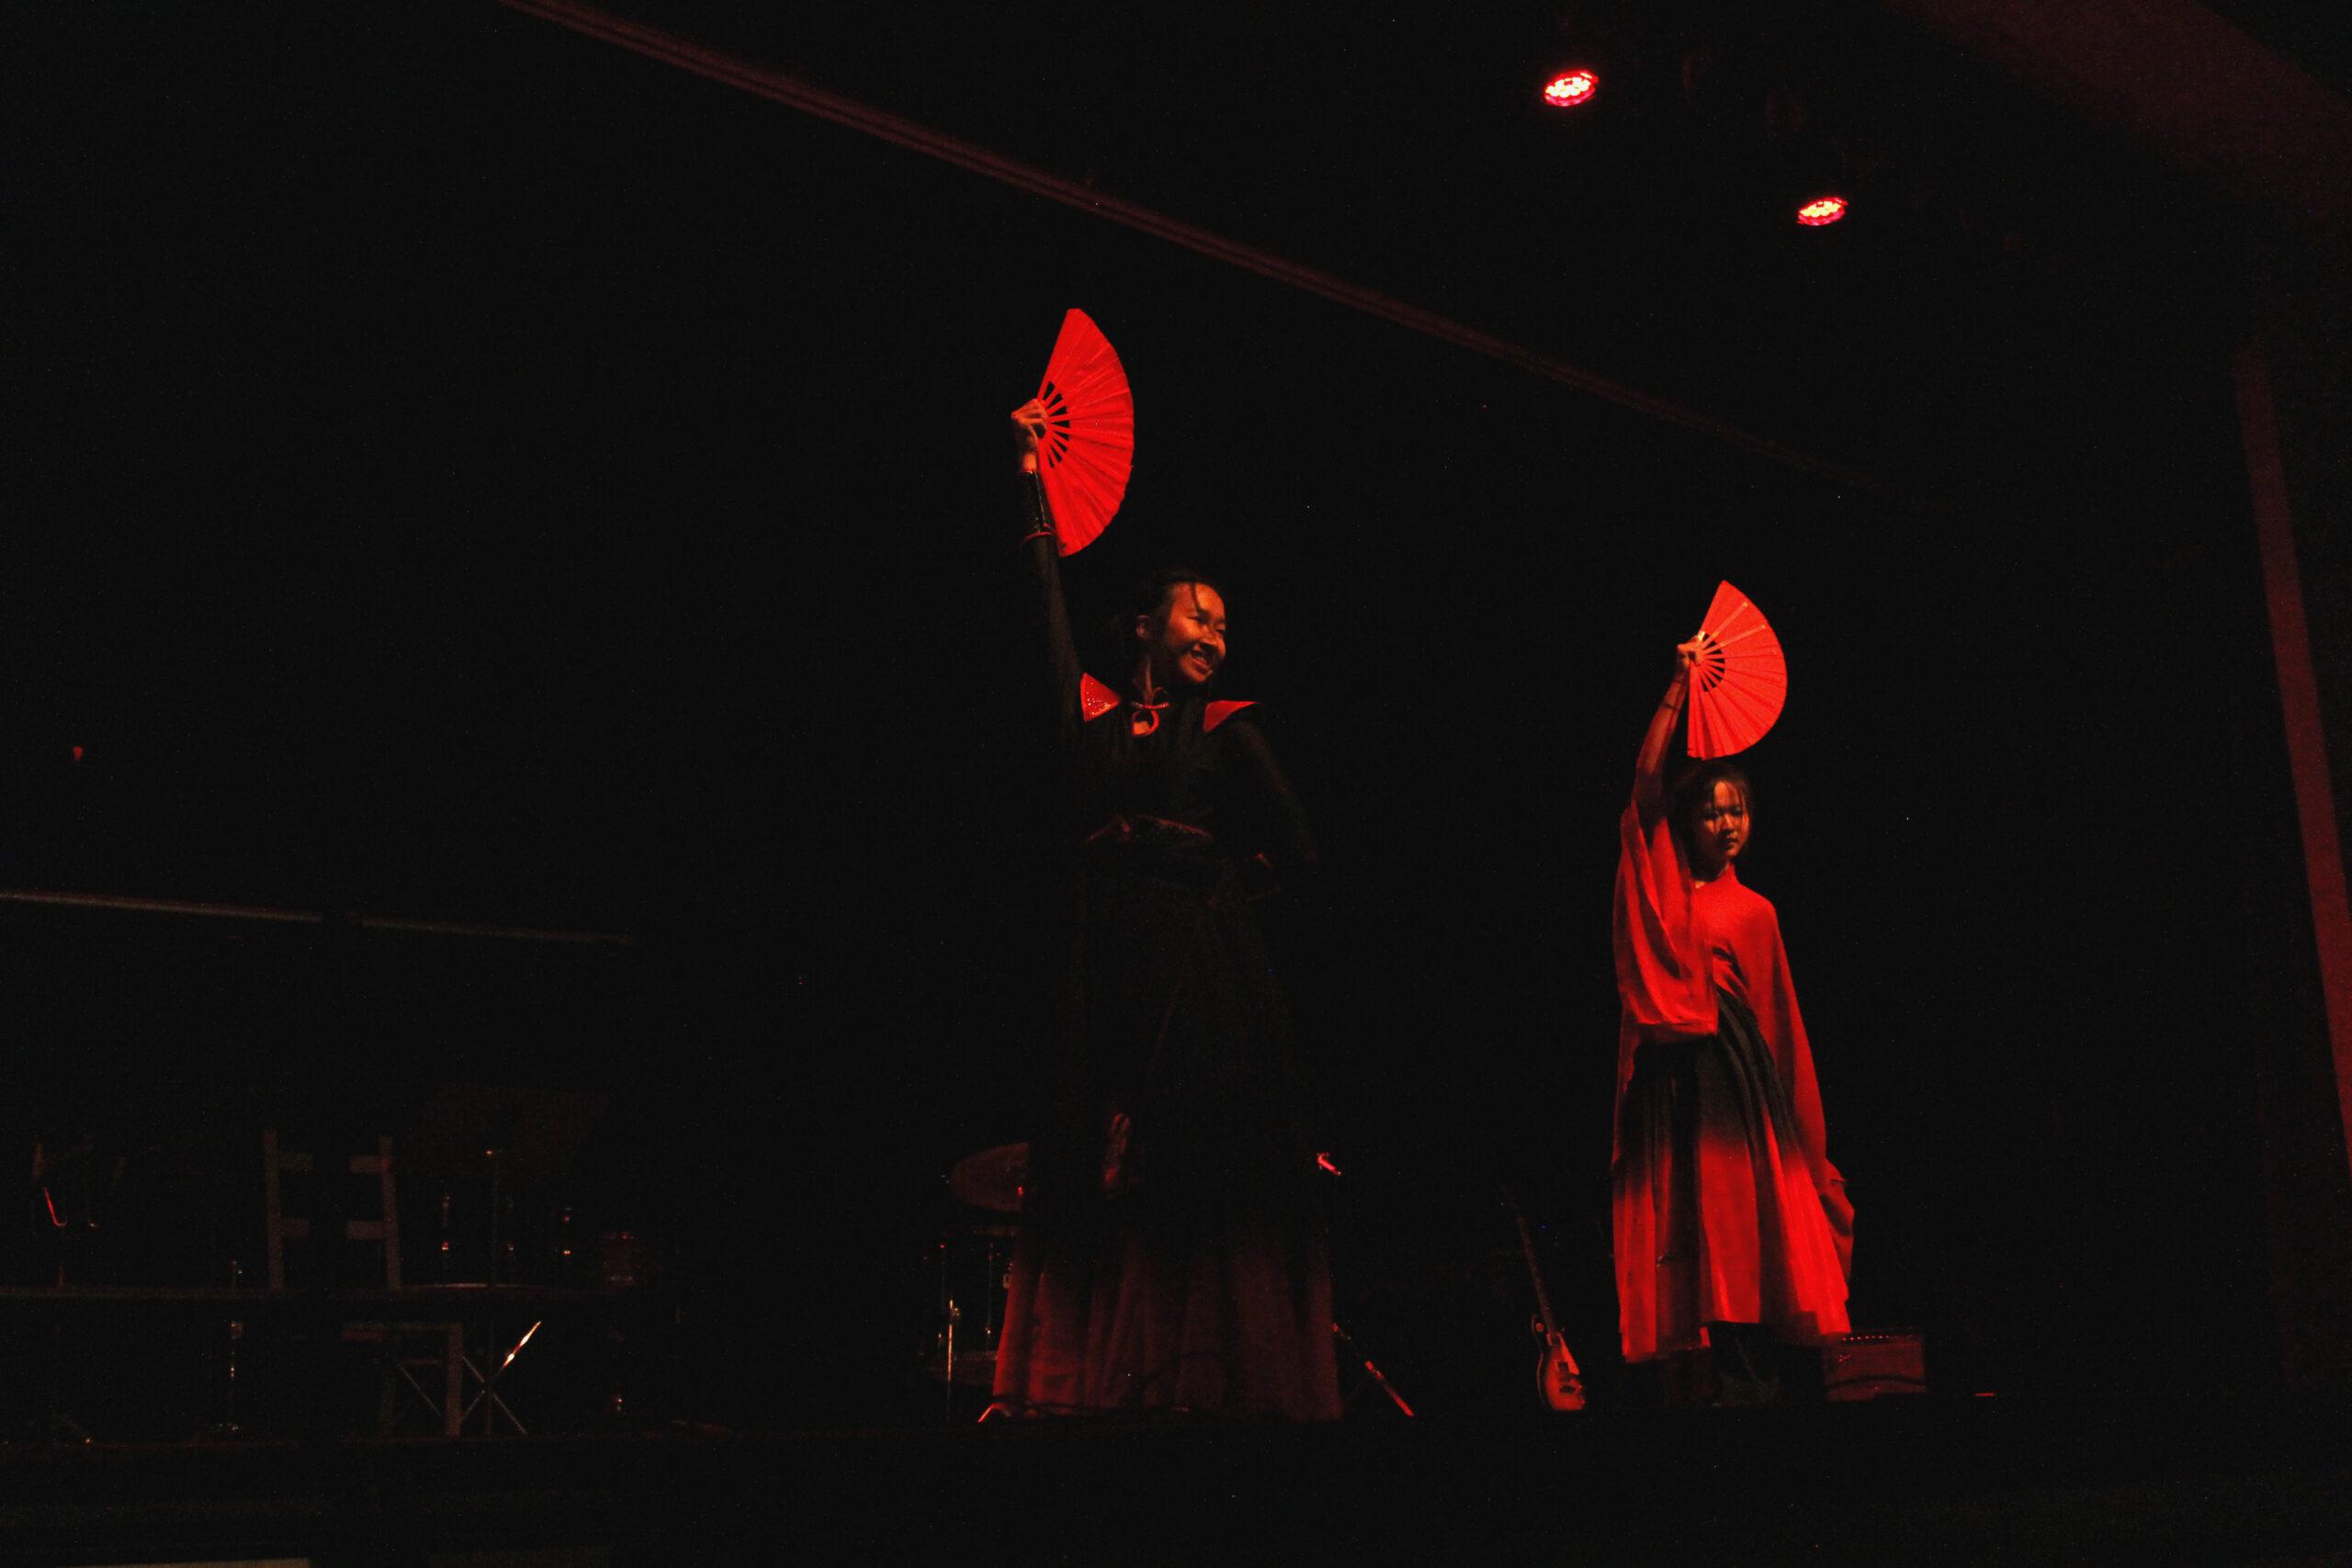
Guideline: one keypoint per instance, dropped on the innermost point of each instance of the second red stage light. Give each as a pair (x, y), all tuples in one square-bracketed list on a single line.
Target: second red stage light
[(1570, 87)]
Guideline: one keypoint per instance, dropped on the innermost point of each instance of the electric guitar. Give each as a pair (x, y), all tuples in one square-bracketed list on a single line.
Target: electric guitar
[(1558, 1383)]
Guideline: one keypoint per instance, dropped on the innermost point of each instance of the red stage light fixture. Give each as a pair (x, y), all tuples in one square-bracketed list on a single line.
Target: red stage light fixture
[(1570, 88), (1821, 209)]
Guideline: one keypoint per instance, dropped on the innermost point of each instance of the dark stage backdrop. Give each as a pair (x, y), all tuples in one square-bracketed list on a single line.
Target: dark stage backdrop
[(458, 471)]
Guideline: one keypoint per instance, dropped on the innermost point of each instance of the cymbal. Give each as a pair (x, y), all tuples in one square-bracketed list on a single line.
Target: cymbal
[(991, 1179)]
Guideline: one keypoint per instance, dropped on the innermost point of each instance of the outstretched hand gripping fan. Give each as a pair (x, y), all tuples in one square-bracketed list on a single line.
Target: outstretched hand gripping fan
[(1086, 422), (1739, 681)]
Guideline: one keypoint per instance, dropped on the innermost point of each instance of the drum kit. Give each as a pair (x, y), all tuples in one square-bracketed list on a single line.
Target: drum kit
[(974, 1263)]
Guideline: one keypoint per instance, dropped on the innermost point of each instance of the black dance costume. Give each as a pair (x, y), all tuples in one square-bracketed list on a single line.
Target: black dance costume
[(1171, 1255)]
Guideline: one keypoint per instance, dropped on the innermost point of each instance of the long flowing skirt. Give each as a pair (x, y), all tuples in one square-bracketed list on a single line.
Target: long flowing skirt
[(1171, 1254), (1230, 1323), (1718, 1218)]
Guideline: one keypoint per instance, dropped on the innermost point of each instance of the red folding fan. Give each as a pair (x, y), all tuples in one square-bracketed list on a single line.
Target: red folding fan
[(1740, 681), (1088, 441)]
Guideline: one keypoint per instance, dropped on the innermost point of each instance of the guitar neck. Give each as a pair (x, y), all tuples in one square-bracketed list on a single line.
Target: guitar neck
[(1534, 1275)]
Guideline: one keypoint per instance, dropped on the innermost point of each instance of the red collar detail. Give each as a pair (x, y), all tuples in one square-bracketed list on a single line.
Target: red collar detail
[(1094, 698), (1218, 712)]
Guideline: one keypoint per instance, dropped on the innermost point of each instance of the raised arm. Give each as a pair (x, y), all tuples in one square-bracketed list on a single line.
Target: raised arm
[(1665, 977), (1041, 558), (1648, 765)]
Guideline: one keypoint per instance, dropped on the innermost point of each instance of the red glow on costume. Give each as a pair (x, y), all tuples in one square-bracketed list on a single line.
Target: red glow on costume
[(1773, 1229), (77, 754), (1094, 698), (1072, 1328), (1570, 88), (1324, 1162), (1218, 712), (1821, 209)]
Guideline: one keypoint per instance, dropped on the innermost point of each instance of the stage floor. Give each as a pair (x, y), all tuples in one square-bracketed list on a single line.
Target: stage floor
[(1912, 1481)]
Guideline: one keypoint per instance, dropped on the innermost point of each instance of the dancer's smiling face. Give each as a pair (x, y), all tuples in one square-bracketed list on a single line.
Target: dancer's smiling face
[(1184, 638)]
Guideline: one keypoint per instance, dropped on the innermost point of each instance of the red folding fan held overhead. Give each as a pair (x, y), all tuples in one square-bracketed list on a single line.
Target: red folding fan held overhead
[(1087, 441), (1740, 680)]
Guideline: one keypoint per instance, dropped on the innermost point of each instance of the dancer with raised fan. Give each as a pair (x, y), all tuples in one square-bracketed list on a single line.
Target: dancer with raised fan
[(1732, 1231), (1171, 1257)]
